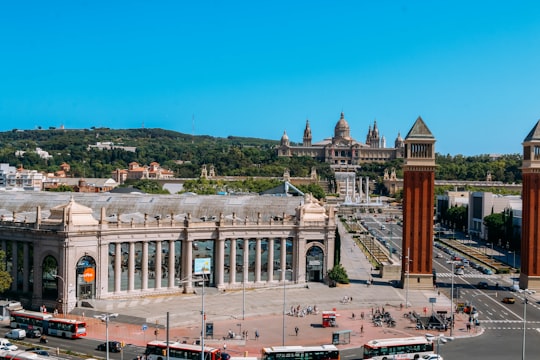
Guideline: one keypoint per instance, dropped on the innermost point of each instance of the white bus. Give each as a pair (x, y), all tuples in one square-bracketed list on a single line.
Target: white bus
[(398, 348), (323, 352)]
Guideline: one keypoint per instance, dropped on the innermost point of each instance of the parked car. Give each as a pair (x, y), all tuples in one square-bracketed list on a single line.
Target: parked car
[(508, 300), (114, 346)]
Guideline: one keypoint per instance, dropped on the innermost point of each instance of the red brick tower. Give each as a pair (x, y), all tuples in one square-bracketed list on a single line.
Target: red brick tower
[(530, 227), (418, 207)]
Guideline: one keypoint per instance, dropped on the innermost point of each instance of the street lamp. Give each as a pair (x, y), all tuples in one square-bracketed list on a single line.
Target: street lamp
[(440, 339), (284, 271), (524, 327), (514, 263), (452, 297), (407, 258), (106, 317), (63, 293)]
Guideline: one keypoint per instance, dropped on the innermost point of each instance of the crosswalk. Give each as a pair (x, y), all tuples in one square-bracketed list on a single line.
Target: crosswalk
[(467, 276)]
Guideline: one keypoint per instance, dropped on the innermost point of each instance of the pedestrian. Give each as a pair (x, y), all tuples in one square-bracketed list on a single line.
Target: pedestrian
[(256, 334), (362, 329), (224, 346), (353, 316), (362, 315), (296, 329)]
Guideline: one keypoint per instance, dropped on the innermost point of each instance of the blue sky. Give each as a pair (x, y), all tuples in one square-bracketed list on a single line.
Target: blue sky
[(258, 68)]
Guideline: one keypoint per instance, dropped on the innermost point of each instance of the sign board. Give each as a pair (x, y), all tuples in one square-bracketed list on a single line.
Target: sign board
[(201, 266), (144, 327), (432, 300)]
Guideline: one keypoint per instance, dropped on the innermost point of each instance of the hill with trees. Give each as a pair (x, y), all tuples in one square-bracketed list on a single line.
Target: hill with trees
[(231, 156)]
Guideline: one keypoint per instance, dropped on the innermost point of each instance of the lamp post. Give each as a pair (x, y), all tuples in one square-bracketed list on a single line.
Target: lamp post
[(452, 297), (407, 258), (63, 294), (524, 327), (105, 318), (284, 272), (440, 339)]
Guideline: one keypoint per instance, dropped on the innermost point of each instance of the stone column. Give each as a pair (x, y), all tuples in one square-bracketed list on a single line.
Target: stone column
[(245, 274), (172, 271), (283, 256), (131, 267), (117, 267), (26, 267), (15, 265), (232, 273), (220, 262), (258, 260), (144, 266), (159, 274), (187, 267), (270, 260)]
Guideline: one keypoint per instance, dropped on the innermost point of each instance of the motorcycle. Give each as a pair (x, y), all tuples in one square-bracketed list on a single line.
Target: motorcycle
[(43, 340)]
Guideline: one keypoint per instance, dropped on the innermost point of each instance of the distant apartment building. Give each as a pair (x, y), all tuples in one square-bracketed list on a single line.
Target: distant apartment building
[(88, 185), (480, 205), (13, 179), (111, 146), (135, 171)]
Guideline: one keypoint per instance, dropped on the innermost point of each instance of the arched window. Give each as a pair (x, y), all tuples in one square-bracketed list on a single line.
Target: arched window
[(49, 280)]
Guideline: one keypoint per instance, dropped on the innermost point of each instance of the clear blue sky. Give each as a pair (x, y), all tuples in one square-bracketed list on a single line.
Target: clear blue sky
[(254, 68)]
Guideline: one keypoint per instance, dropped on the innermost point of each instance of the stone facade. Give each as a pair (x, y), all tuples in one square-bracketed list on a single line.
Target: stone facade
[(105, 246)]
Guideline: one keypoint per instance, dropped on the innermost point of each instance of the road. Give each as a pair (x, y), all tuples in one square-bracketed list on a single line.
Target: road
[(502, 323)]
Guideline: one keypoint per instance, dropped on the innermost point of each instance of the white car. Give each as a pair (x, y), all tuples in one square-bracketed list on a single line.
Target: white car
[(459, 272), (432, 357)]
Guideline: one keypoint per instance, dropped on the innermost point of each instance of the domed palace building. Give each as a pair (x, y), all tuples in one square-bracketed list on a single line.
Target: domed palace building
[(342, 151)]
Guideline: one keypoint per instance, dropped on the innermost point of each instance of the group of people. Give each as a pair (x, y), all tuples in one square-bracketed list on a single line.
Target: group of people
[(245, 335)]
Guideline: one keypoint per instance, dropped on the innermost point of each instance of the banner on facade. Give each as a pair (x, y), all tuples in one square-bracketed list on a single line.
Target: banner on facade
[(201, 266)]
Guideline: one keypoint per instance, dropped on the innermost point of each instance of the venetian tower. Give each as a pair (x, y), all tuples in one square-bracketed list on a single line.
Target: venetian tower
[(530, 229), (418, 203)]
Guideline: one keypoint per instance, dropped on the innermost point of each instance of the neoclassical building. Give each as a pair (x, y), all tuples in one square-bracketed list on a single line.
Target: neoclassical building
[(342, 150), (63, 248)]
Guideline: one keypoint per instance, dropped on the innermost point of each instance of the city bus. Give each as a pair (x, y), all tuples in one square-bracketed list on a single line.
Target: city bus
[(24, 319), (157, 350), (398, 348), (66, 328), (323, 352), (47, 324)]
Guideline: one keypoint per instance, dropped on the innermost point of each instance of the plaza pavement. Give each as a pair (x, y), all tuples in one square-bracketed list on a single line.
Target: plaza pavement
[(262, 310)]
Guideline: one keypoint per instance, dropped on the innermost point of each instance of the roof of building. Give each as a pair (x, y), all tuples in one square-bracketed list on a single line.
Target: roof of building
[(134, 206)]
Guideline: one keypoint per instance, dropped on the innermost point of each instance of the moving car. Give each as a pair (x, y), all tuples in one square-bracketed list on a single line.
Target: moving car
[(483, 285), (33, 333), (16, 334), (114, 346), (432, 357), (459, 272), (508, 300)]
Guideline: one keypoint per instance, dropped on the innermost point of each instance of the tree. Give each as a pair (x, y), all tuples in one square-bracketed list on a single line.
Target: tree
[(5, 277), (338, 274)]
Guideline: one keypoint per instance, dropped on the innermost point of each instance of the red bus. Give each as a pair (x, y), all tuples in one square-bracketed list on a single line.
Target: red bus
[(157, 350), (47, 324)]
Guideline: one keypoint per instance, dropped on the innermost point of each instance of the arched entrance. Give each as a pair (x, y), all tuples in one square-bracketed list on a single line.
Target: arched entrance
[(86, 278), (314, 264)]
